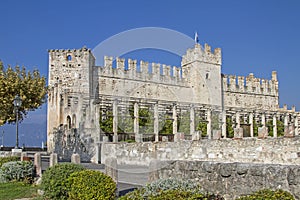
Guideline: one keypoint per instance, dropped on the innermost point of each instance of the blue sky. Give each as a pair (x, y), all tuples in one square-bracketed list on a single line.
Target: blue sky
[(256, 36)]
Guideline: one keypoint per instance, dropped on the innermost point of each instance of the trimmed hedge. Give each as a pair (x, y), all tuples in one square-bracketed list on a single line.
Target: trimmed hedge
[(90, 184), (17, 171), (54, 180), (269, 195)]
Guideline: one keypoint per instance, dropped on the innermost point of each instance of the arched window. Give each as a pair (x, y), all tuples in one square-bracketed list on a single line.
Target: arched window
[(69, 122), (69, 58)]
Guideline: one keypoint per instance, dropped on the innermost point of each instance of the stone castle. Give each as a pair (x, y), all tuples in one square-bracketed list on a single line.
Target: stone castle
[(81, 94)]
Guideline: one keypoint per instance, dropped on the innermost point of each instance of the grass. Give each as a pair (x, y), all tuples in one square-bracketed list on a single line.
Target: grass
[(17, 190)]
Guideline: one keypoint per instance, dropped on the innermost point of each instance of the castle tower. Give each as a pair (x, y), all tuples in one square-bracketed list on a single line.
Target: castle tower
[(70, 87), (202, 70)]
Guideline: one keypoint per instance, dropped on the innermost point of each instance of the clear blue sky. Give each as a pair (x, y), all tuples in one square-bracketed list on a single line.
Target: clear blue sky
[(256, 36)]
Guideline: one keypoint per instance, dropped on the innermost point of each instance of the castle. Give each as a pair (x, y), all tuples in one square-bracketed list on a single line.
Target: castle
[(82, 94)]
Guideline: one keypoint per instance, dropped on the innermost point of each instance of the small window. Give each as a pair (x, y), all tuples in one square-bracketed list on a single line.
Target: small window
[(69, 58), (207, 76)]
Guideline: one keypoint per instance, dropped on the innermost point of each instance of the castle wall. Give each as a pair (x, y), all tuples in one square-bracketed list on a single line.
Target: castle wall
[(251, 92)]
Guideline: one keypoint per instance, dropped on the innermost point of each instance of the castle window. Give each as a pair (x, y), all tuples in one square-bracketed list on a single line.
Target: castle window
[(69, 122), (207, 76), (69, 58)]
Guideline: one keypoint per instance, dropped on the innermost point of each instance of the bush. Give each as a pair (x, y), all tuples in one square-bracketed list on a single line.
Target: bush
[(17, 171), (8, 159), (90, 184), (269, 195), (54, 180), (170, 189)]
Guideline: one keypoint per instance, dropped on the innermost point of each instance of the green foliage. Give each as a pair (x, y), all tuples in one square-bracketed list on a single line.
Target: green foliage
[(8, 159), (30, 86), (229, 127), (202, 126), (17, 171), (54, 180), (90, 184), (269, 195), (280, 128), (171, 188)]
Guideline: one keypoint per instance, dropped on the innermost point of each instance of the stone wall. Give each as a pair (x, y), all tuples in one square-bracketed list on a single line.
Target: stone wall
[(231, 179), (247, 150)]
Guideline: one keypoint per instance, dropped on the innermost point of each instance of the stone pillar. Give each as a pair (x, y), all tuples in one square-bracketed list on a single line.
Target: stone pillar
[(24, 156), (115, 121), (75, 158), (224, 124), (136, 122), (209, 123), (286, 124), (53, 159), (38, 164), (156, 122), (111, 168), (237, 120), (174, 119), (251, 124), (192, 120), (263, 119), (296, 125), (274, 126)]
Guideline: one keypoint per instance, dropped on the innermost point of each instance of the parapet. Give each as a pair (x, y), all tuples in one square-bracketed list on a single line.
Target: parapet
[(198, 53), (140, 70), (251, 84)]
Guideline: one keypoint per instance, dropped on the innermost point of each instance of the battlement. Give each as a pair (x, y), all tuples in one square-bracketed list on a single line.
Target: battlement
[(251, 84), (140, 70), (83, 49), (198, 53)]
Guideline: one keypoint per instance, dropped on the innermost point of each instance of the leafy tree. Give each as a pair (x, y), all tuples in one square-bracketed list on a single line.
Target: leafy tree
[(30, 86), (229, 128), (280, 128)]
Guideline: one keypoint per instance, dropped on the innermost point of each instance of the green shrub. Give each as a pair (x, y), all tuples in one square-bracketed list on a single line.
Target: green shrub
[(17, 171), (90, 184), (54, 180), (8, 159), (269, 195), (166, 189)]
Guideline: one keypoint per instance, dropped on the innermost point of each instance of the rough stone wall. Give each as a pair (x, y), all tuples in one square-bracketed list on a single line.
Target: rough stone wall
[(231, 179), (267, 151)]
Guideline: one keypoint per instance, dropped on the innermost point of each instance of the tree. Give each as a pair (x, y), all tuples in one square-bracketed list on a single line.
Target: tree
[(30, 86)]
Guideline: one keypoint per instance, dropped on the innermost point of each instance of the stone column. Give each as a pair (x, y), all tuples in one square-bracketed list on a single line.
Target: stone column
[(156, 122), (192, 120), (75, 158), (38, 164), (263, 119), (115, 120), (174, 119), (136, 122), (296, 125), (237, 120), (286, 124), (209, 123), (274, 126), (224, 124), (251, 124), (53, 159)]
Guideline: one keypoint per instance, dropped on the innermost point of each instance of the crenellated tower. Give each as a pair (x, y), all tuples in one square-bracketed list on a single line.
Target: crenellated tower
[(201, 68)]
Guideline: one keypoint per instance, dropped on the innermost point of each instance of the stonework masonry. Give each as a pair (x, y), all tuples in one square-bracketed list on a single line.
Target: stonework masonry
[(81, 92)]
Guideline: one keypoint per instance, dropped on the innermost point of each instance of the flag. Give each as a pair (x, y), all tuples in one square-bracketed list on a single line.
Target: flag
[(196, 38)]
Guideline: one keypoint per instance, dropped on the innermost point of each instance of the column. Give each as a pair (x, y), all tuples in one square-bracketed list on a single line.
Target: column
[(192, 120), (263, 119), (251, 124), (274, 126), (174, 119), (286, 124), (156, 122), (296, 125), (224, 123), (115, 120), (237, 120), (209, 123), (136, 122)]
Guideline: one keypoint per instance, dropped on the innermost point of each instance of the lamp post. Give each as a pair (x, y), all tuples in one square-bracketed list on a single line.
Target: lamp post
[(17, 105)]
